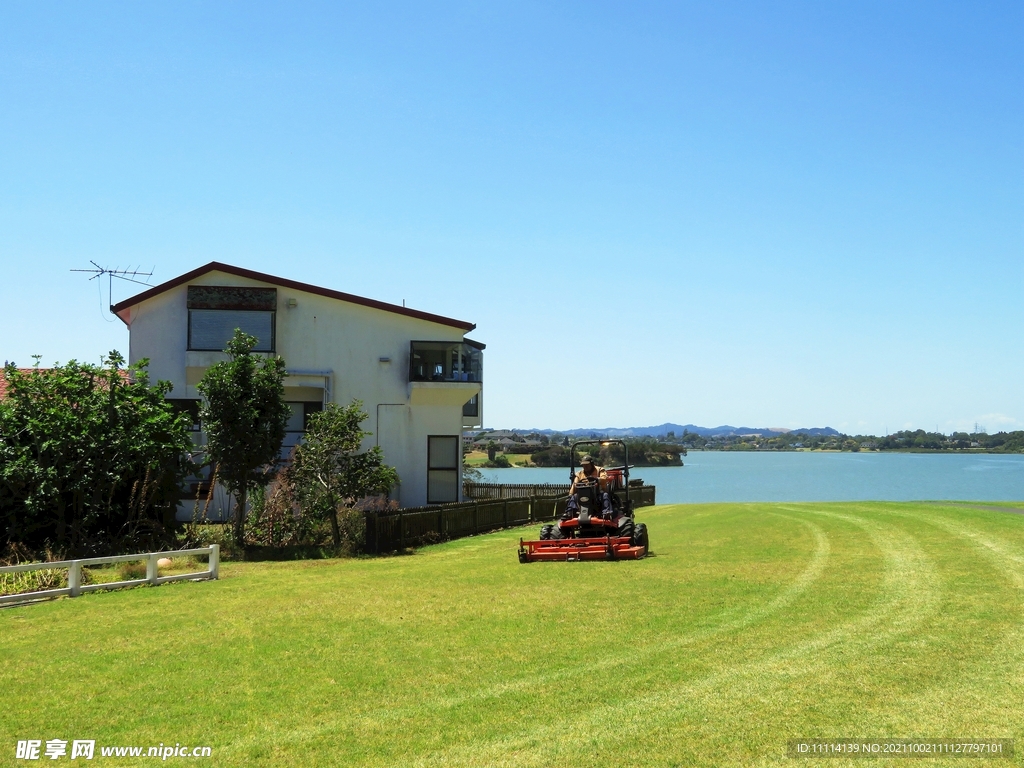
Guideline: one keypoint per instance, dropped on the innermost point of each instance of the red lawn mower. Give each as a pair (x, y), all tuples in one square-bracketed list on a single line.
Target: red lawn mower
[(597, 524)]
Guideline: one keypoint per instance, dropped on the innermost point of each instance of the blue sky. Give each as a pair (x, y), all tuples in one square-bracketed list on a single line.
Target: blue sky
[(767, 214)]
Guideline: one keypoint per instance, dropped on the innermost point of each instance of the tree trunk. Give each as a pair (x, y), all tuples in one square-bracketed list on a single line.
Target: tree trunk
[(334, 526), (240, 516)]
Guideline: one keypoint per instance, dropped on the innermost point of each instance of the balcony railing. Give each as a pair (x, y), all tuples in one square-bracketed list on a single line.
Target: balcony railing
[(445, 361)]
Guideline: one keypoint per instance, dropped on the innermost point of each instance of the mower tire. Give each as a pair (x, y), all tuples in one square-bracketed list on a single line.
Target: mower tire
[(556, 533), (545, 532), (641, 538), (626, 527)]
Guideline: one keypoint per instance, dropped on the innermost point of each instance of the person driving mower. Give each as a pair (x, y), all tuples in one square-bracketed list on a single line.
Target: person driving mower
[(589, 474)]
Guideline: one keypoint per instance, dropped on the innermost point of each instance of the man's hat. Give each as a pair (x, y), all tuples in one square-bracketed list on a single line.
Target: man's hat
[(587, 459)]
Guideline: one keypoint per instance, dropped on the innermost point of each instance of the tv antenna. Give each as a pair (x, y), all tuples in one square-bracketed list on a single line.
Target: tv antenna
[(129, 275)]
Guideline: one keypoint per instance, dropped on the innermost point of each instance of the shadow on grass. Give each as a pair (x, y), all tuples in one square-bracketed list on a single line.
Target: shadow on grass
[(255, 554)]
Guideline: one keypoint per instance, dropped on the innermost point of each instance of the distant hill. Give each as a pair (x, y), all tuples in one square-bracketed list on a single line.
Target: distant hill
[(663, 429)]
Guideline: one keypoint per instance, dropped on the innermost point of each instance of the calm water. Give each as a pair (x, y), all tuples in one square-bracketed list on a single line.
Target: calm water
[(741, 476)]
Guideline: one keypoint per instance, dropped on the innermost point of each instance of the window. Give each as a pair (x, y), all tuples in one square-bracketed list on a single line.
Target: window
[(212, 329), (472, 408), (191, 407), (298, 422), (445, 361), (215, 311), (442, 469)]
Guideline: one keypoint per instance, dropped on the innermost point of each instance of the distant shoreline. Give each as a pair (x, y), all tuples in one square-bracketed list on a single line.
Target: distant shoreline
[(961, 452)]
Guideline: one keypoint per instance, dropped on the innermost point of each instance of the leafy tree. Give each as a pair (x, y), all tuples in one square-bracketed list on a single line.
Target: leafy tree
[(244, 417), (554, 456), (91, 457), (471, 474), (329, 473)]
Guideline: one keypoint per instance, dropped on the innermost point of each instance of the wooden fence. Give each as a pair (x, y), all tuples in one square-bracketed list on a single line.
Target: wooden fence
[(74, 569), (478, 491), (389, 531)]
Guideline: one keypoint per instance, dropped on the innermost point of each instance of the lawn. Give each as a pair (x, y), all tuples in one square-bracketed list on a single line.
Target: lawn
[(751, 625), (479, 458)]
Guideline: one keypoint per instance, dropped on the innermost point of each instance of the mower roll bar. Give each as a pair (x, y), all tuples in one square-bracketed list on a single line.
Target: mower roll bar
[(624, 468)]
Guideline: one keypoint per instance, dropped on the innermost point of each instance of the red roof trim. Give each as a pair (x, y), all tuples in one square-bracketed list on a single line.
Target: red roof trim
[(216, 266)]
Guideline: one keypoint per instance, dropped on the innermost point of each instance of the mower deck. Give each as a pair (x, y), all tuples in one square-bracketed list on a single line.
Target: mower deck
[(570, 550)]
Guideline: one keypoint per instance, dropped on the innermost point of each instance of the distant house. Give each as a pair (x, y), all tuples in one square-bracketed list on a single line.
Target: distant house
[(419, 378), (502, 438)]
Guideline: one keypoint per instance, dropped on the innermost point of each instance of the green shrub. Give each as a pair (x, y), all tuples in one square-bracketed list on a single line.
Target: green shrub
[(91, 457), (135, 569), (275, 518), (37, 581), (33, 581), (352, 527)]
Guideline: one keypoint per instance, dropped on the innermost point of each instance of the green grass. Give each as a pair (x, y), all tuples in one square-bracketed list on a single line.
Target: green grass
[(753, 624), (479, 458)]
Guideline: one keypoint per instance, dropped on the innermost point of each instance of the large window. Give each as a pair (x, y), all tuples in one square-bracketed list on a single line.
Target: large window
[(212, 329), (442, 469), (445, 361), (215, 311)]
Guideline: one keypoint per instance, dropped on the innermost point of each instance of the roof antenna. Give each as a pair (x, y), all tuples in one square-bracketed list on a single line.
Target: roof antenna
[(130, 275)]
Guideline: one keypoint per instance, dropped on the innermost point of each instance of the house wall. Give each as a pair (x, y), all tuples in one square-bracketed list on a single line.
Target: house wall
[(325, 334)]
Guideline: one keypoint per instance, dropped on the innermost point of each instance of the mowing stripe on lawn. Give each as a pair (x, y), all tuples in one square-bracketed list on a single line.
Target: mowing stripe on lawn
[(753, 624), (911, 593)]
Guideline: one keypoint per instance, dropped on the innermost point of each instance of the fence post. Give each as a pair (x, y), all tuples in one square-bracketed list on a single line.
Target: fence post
[(506, 513), (151, 568), (75, 578), (401, 531), (215, 561), (440, 522), (476, 518)]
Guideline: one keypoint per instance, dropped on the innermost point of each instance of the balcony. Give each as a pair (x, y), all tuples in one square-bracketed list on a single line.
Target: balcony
[(445, 361), (444, 372)]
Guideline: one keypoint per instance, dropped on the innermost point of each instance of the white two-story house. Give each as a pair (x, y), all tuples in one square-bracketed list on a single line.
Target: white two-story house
[(418, 376)]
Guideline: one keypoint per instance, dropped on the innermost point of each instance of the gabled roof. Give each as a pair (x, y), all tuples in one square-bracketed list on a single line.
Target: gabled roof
[(216, 266)]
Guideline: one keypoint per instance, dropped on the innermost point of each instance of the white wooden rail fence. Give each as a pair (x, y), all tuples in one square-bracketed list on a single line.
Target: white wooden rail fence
[(74, 569)]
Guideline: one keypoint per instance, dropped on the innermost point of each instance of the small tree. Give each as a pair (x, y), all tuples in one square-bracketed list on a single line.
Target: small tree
[(244, 417), (91, 457), (328, 472)]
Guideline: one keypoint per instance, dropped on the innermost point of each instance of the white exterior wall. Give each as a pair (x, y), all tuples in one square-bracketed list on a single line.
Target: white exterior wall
[(325, 334)]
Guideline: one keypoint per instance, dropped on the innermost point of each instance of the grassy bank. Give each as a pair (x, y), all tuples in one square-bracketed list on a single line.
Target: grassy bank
[(479, 459), (753, 624)]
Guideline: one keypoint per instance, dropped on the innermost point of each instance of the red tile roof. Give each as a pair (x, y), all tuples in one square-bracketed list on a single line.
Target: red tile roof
[(216, 266), (3, 381), (4, 385)]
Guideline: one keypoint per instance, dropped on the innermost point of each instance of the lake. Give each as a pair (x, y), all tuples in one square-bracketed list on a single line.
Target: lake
[(798, 476)]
